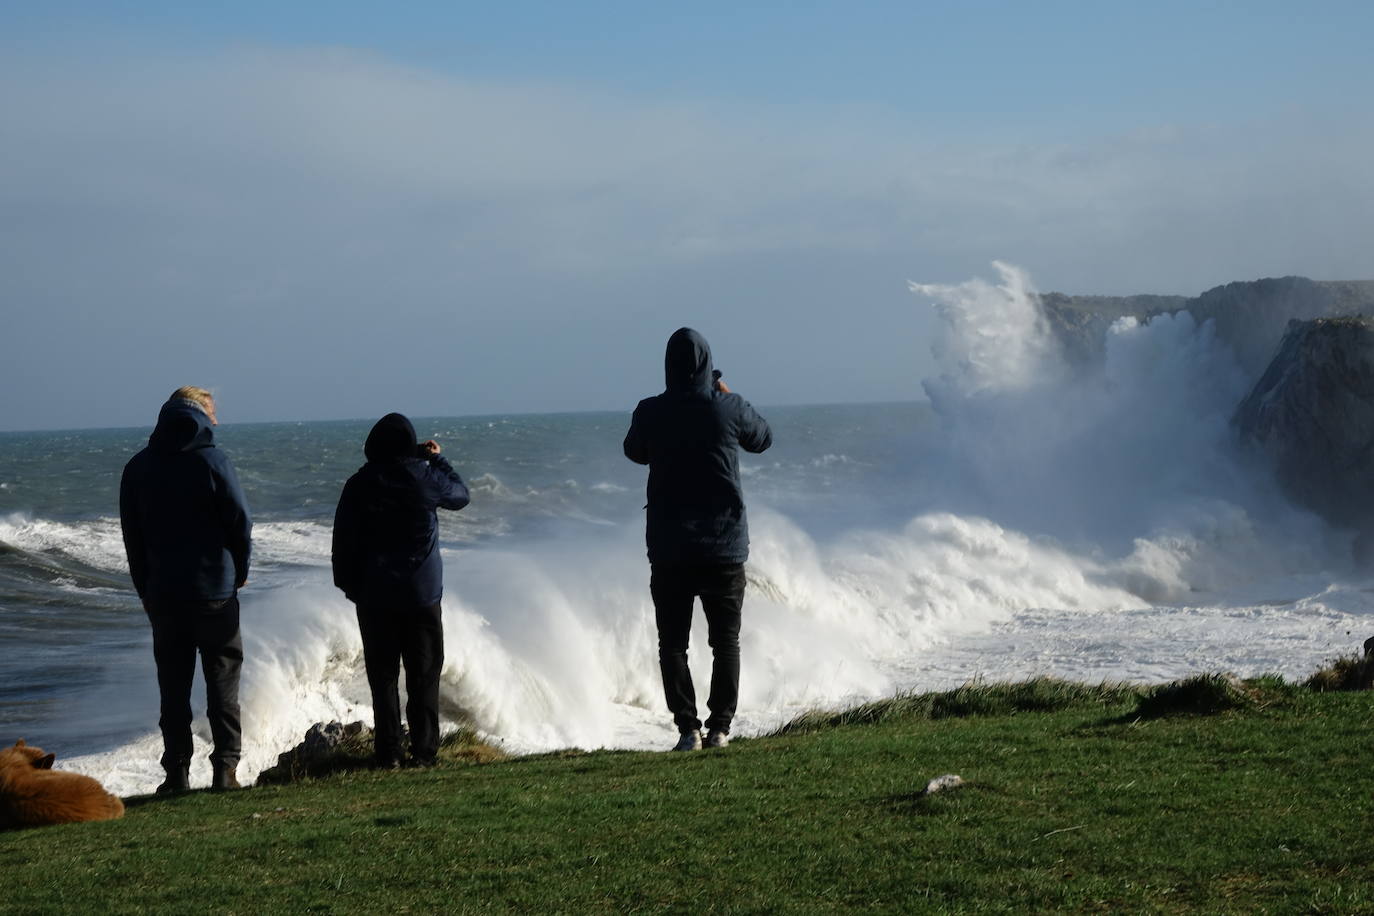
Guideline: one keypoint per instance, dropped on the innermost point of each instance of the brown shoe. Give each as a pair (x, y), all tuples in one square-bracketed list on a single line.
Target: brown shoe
[(224, 779)]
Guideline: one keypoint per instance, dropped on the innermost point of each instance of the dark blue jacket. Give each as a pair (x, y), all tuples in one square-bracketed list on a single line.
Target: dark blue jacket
[(386, 530), (690, 436), (186, 527)]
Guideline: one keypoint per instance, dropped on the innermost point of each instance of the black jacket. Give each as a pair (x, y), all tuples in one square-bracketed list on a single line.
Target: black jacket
[(185, 520), (690, 436), (386, 531)]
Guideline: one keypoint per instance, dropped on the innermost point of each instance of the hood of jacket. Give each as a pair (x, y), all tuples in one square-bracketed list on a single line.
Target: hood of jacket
[(181, 427), (687, 362), (392, 439)]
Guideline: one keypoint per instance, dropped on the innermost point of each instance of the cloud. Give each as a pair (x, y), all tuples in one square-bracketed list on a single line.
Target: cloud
[(308, 187)]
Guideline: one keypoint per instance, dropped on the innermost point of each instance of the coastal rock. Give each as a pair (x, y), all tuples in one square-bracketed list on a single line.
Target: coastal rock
[(1250, 316), (1253, 316), (321, 738), (1312, 413), (322, 741), (1080, 323)]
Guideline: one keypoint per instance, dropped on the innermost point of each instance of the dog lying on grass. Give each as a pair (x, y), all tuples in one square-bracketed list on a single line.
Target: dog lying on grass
[(33, 794)]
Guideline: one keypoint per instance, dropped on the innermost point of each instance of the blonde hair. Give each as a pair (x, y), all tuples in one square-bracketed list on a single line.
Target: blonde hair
[(198, 396)]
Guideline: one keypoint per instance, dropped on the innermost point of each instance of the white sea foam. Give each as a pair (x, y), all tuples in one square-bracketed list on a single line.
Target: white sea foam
[(98, 544)]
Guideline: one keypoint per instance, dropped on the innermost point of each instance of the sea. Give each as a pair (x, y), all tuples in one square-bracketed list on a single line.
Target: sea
[(1028, 518)]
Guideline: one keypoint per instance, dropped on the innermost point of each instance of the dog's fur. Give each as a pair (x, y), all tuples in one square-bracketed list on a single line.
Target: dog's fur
[(33, 794)]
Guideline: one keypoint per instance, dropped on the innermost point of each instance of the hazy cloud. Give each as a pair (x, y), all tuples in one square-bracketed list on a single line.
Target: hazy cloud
[(331, 234)]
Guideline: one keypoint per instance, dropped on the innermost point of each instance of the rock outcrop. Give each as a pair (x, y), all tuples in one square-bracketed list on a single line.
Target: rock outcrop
[(1080, 323), (1312, 412), (327, 746), (1251, 316)]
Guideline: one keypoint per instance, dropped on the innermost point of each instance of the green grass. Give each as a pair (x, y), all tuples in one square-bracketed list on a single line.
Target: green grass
[(1191, 797)]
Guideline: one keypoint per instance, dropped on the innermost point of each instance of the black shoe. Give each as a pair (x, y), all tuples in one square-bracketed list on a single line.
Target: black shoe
[(689, 741), (421, 763), (386, 763), (178, 780), (225, 779)]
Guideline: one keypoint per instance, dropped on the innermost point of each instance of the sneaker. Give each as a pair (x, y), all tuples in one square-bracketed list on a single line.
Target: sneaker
[(178, 780), (689, 741), (717, 738), (225, 779)]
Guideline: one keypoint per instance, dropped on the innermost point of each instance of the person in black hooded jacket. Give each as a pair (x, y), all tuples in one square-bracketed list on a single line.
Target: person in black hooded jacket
[(696, 529), (386, 560), (188, 538)]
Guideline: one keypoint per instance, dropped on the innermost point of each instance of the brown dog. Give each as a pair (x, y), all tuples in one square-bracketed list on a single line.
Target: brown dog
[(33, 794)]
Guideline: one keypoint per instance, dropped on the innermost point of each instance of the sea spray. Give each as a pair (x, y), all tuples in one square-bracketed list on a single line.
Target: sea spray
[(1135, 458)]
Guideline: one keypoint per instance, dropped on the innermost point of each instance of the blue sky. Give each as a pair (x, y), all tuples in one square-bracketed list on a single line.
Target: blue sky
[(336, 210)]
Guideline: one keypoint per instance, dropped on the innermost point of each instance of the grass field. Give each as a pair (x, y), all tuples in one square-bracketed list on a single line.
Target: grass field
[(1205, 796)]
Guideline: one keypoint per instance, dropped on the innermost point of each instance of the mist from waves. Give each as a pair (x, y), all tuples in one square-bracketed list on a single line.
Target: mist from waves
[(1045, 523)]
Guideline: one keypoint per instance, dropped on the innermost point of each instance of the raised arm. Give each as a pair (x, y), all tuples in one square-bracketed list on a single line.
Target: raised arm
[(452, 492), (753, 432)]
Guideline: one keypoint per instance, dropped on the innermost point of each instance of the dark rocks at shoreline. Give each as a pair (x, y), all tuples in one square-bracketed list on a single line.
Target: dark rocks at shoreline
[(1312, 413), (326, 747)]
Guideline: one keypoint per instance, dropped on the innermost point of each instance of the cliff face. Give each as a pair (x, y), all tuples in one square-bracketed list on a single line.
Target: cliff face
[(1081, 322), (1251, 316), (1312, 411)]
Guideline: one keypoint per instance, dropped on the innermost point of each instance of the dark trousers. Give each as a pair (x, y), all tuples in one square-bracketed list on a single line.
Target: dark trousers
[(180, 630), (721, 589), (415, 636)]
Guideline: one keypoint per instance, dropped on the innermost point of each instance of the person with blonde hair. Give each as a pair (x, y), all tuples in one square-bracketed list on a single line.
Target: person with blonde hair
[(188, 538)]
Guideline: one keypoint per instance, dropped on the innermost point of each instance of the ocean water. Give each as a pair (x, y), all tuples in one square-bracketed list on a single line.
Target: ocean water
[(1028, 520)]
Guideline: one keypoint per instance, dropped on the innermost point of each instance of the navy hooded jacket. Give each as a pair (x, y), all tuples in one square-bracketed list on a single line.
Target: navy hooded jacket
[(186, 527), (690, 436), (386, 530)]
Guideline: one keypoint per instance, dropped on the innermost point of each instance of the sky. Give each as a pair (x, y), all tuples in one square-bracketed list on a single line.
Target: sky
[(337, 210)]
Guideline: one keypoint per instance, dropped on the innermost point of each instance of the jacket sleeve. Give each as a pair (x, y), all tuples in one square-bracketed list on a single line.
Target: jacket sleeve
[(130, 522), (452, 492), (753, 432), (238, 527), (636, 448), (345, 553)]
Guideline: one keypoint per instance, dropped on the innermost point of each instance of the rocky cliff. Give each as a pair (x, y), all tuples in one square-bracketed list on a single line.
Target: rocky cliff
[(1310, 349), (1251, 316), (1312, 411)]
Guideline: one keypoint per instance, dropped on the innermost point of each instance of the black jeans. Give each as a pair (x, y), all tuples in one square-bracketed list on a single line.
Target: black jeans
[(414, 635), (721, 589), (180, 630)]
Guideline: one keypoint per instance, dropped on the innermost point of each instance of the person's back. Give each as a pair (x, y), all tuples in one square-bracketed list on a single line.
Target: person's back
[(689, 437), (386, 560), (188, 538), (185, 519), (696, 529), (386, 533)]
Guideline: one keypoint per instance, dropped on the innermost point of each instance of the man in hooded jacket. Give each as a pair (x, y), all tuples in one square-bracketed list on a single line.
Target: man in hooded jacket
[(386, 560), (696, 529), (187, 535)]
